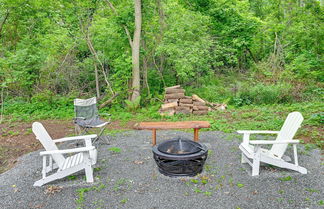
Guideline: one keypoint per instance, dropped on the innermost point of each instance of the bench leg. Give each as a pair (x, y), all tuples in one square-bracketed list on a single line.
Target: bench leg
[(153, 137), (196, 138)]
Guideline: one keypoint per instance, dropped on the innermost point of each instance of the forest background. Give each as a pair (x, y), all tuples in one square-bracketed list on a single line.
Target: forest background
[(261, 57)]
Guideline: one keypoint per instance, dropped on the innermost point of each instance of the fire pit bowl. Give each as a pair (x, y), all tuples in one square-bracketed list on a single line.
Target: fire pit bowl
[(180, 157)]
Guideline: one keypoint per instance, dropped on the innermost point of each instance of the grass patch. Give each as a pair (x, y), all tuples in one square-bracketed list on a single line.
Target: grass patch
[(72, 177), (248, 117), (312, 190), (115, 149), (123, 201), (82, 191), (240, 185), (287, 178)]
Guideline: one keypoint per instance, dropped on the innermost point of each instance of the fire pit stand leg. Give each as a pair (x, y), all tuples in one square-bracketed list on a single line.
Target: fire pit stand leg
[(153, 137), (196, 138)]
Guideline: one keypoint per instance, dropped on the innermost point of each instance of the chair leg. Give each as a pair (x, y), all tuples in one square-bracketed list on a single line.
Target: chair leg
[(256, 161), (100, 137), (77, 129), (88, 168), (243, 159), (89, 174)]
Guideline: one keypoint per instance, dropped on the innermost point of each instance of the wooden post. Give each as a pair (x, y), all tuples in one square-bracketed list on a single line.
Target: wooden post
[(196, 138), (153, 137)]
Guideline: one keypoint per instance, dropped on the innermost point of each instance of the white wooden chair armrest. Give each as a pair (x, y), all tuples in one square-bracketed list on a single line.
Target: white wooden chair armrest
[(257, 132), (274, 142), (81, 149), (75, 138)]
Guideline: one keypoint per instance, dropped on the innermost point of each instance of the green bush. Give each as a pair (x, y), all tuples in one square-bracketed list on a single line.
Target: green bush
[(44, 105), (264, 94)]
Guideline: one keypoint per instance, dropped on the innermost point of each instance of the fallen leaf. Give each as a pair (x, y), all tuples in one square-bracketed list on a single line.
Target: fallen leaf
[(36, 206), (138, 162), (53, 189)]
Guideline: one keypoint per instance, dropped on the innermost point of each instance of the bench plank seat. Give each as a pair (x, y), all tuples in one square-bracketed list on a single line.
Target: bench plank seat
[(196, 125)]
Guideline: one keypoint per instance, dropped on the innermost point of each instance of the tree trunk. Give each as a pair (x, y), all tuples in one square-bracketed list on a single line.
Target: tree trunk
[(136, 51), (97, 82)]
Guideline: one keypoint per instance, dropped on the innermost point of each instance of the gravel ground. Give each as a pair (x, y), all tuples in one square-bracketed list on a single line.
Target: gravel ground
[(130, 179)]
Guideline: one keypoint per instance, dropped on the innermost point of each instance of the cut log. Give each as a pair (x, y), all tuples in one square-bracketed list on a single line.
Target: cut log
[(172, 87), (198, 103), (202, 107), (172, 91), (187, 97), (200, 112), (186, 105), (166, 109), (197, 98), (169, 105), (183, 111), (172, 100), (186, 101), (181, 108), (174, 96), (195, 108), (216, 106), (222, 107), (168, 113)]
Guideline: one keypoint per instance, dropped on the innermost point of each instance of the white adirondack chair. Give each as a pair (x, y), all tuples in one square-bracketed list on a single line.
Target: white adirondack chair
[(274, 156), (84, 159)]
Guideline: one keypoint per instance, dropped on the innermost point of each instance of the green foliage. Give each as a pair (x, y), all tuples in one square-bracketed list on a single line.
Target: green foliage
[(264, 94), (133, 105), (242, 53), (186, 43), (44, 105), (195, 181)]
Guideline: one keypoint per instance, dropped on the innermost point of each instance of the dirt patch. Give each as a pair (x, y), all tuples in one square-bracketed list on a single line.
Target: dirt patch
[(17, 139)]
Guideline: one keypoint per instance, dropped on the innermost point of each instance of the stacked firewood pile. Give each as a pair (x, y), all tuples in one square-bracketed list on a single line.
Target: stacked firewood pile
[(175, 102)]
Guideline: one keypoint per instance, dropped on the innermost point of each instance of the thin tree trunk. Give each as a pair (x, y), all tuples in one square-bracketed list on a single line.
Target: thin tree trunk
[(136, 51), (85, 31), (97, 82), (145, 76), (2, 104), (94, 53)]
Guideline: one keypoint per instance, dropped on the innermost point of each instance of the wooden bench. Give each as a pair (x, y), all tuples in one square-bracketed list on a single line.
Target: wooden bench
[(196, 125)]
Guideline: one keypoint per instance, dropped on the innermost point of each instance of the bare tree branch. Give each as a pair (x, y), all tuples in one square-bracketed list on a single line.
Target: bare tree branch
[(108, 101), (4, 21), (94, 53)]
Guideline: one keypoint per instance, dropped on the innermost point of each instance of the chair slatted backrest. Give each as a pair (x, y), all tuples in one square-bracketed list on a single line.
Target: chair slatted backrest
[(86, 108), (47, 142), (287, 132)]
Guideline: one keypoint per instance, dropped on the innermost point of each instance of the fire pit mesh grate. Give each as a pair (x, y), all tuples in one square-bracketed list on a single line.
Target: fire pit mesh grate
[(179, 147), (180, 157)]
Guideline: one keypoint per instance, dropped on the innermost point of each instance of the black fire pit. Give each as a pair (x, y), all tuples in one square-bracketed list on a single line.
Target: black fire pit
[(180, 157)]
